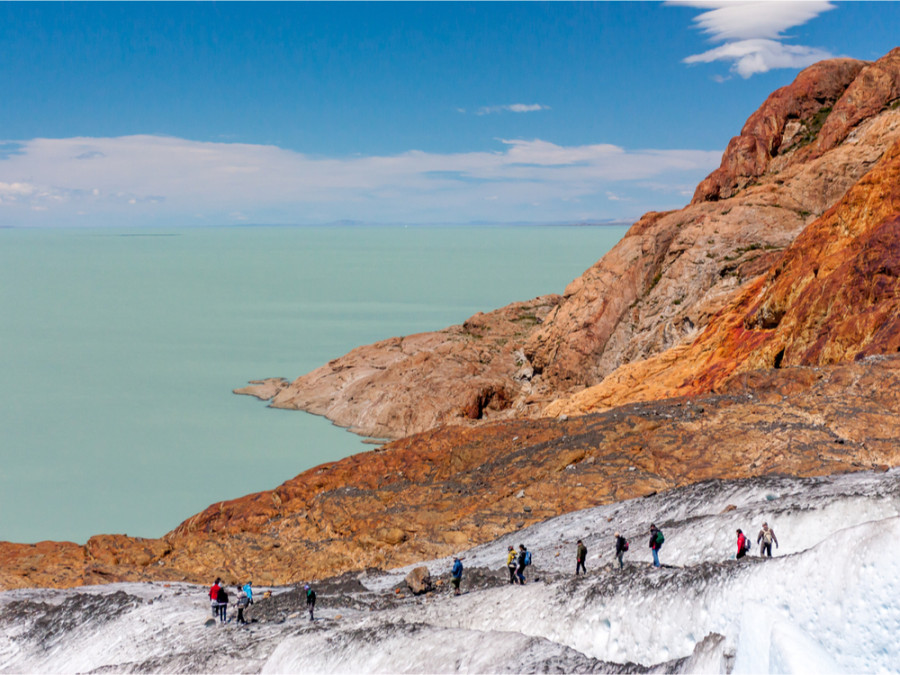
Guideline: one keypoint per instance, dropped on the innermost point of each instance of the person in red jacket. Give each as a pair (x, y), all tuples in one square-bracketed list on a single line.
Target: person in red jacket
[(214, 598), (743, 544)]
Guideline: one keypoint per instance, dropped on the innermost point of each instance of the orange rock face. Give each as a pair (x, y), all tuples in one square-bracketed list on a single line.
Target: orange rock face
[(435, 493), (783, 121), (833, 296), (655, 291)]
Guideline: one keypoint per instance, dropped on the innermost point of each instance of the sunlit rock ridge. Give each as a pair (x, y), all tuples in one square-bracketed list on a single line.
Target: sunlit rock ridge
[(808, 159)]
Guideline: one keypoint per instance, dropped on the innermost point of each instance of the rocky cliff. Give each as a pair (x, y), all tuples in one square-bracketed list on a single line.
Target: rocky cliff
[(752, 332), (796, 157)]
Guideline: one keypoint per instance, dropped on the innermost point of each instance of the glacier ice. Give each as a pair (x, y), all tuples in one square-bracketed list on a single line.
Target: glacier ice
[(827, 602)]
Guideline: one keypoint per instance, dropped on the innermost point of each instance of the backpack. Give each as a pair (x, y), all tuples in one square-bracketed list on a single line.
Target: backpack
[(527, 558), (767, 536), (625, 547), (747, 544), (659, 538)]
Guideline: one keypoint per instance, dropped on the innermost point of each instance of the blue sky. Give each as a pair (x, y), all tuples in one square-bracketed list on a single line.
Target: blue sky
[(225, 113)]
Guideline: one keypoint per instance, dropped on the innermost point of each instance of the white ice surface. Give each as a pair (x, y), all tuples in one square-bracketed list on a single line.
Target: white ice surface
[(829, 601)]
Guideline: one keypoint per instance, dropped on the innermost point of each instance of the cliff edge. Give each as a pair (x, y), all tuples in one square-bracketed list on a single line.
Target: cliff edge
[(657, 289)]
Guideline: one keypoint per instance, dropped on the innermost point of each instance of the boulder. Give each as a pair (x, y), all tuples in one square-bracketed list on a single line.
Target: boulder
[(419, 581)]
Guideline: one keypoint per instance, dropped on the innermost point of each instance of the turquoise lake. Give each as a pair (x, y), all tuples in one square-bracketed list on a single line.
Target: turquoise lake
[(119, 350)]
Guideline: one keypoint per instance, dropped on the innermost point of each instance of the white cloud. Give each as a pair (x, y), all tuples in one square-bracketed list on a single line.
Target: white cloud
[(513, 107), (752, 34), (17, 189), (761, 19), (759, 56), (160, 178)]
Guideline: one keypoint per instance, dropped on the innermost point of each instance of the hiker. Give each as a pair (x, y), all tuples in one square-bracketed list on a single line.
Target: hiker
[(656, 542), (222, 599), (766, 536), (242, 602), (511, 564), (580, 557), (743, 544), (248, 589), (456, 575), (310, 601), (522, 561), (621, 547), (214, 598)]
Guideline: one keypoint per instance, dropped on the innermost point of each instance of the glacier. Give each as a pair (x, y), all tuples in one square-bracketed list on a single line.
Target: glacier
[(827, 602)]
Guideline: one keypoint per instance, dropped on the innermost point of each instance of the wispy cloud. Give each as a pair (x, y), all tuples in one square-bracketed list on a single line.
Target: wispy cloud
[(152, 178), (513, 107), (753, 36)]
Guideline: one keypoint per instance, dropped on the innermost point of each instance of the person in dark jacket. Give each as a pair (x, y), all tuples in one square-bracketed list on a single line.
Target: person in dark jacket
[(222, 599), (214, 598), (521, 564), (766, 536), (656, 542), (310, 601), (621, 547), (456, 575), (743, 545), (580, 557)]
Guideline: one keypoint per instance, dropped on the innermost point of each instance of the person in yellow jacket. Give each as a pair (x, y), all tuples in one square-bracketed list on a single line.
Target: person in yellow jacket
[(511, 564)]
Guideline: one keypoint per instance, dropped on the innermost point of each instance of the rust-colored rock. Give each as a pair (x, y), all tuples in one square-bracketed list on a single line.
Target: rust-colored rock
[(263, 389), (833, 296), (458, 486), (785, 120), (656, 290), (875, 88)]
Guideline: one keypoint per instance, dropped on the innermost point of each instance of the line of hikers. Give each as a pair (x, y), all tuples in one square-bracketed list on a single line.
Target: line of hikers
[(518, 561), (765, 539), (218, 598), (516, 564)]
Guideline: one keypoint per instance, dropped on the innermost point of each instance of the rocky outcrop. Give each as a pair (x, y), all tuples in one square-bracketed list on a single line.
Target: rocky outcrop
[(792, 116), (436, 493), (833, 296), (265, 389), (400, 386), (656, 290)]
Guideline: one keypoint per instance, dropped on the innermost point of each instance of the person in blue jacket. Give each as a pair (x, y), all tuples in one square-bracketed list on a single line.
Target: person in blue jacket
[(456, 575), (248, 589), (656, 542)]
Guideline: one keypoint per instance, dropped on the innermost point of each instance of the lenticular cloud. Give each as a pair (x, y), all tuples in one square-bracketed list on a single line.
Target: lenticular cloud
[(751, 57), (752, 33)]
